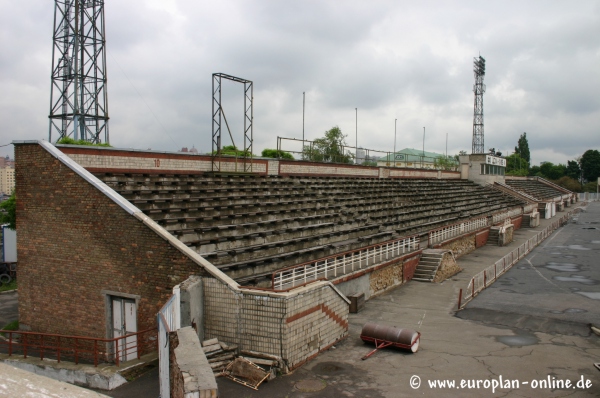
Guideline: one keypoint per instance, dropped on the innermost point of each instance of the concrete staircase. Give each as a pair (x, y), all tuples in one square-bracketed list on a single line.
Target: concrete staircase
[(493, 237), (428, 265)]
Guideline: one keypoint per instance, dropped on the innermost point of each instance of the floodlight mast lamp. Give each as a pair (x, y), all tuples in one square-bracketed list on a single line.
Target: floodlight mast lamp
[(218, 115), (478, 89), (78, 96)]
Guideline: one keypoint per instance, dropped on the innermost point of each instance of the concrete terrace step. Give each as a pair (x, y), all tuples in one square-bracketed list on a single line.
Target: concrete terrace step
[(254, 224), (429, 264)]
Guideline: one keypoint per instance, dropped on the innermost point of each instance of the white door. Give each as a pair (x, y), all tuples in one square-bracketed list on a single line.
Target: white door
[(124, 322)]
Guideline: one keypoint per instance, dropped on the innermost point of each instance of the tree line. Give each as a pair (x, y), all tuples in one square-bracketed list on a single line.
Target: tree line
[(578, 175)]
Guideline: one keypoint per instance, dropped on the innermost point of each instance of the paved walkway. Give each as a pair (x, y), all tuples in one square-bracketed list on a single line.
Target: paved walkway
[(451, 349)]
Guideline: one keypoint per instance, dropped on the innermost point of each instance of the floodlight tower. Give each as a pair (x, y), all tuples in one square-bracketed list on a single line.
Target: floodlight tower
[(478, 89), (78, 98)]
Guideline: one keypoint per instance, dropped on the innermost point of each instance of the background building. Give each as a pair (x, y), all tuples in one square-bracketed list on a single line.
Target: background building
[(7, 179)]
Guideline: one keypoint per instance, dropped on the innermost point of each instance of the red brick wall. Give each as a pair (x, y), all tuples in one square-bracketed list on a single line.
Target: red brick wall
[(74, 242), (481, 238), (517, 222), (409, 268)]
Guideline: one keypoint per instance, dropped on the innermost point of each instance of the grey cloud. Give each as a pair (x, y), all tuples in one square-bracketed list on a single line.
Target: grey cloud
[(405, 60)]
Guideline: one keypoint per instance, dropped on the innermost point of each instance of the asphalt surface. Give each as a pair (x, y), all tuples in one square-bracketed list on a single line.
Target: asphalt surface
[(9, 307), (555, 289), (145, 386)]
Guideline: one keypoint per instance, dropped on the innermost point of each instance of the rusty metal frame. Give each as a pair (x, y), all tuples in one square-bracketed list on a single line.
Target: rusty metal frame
[(70, 344), (218, 117)]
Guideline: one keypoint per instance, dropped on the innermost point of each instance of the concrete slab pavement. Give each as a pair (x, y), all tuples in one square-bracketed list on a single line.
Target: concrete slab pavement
[(16, 382)]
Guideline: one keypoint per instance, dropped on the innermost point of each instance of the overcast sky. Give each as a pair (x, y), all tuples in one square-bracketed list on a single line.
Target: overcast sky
[(410, 61)]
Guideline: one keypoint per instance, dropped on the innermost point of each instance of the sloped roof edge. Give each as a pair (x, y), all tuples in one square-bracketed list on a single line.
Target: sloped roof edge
[(134, 211)]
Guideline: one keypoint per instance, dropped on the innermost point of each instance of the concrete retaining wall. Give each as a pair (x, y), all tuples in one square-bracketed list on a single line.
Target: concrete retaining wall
[(295, 326), (459, 246), (190, 373), (192, 304)]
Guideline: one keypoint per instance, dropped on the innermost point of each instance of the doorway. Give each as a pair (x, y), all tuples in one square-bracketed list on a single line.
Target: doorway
[(124, 322)]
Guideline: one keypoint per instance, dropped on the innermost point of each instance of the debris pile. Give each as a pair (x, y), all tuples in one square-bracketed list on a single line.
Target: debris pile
[(250, 368), (219, 354)]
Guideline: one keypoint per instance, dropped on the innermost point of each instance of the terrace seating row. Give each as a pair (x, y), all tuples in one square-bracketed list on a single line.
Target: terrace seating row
[(534, 188), (251, 225)]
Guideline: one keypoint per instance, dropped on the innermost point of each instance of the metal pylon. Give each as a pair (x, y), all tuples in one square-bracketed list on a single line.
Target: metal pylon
[(78, 98)]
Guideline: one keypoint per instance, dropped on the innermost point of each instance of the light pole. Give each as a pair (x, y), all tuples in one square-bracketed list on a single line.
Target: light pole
[(394, 158), (356, 160), (303, 108), (423, 156), (303, 104)]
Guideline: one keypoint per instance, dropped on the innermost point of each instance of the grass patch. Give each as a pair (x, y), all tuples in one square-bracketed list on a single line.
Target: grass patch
[(9, 286), (14, 325), (71, 141)]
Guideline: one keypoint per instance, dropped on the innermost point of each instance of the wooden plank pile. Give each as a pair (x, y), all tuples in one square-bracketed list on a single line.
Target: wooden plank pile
[(219, 354)]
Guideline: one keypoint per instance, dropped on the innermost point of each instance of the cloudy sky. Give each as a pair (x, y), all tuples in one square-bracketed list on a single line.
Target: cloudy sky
[(405, 60)]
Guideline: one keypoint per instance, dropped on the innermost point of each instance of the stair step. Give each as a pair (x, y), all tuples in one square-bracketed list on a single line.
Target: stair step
[(424, 272)]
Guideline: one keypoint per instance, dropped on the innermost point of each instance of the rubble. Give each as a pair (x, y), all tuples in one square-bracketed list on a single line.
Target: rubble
[(218, 354)]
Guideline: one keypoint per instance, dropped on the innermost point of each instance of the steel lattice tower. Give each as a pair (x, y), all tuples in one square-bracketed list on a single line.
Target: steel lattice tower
[(78, 98), (478, 89)]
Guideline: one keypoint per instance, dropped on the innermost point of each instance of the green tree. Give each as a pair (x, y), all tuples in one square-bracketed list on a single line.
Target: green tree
[(590, 165), (569, 183), (516, 166), (8, 212), (535, 171), (522, 148), (573, 170), (591, 186), (446, 163), (552, 171), (329, 148), (277, 154)]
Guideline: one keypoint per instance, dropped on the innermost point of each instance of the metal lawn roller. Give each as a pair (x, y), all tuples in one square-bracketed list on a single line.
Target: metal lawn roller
[(385, 336)]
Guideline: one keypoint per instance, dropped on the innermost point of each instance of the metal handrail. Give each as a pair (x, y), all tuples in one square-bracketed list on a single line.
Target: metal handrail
[(457, 229), (61, 345), (486, 277), (343, 262)]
